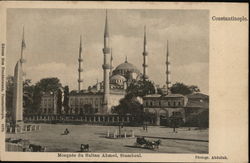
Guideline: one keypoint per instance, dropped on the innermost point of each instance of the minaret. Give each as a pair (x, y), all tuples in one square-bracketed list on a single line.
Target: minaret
[(106, 67), (3, 47), (80, 66), (168, 81), (145, 54), (111, 63)]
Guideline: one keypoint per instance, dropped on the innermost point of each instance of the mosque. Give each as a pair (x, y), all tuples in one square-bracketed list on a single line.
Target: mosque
[(100, 98)]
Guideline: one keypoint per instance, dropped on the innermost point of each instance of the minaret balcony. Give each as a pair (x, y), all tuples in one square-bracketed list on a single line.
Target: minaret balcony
[(80, 70), (144, 65), (106, 66), (106, 50), (167, 72), (168, 63), (22, 60), (145, 53), (80, 80), (145, 76), (80, 59)]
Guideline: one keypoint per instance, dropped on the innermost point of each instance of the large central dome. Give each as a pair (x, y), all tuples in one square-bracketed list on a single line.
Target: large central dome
[(126, 68)]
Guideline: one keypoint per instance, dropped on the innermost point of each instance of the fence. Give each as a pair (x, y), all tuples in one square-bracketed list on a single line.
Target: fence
[(13, 147), (90, 119)]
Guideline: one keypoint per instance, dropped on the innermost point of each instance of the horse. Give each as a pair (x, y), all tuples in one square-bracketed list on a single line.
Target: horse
[(157, 143), (84, 147), (153, 144)]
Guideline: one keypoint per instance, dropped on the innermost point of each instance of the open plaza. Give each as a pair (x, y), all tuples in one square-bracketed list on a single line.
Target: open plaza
[(186, 140)]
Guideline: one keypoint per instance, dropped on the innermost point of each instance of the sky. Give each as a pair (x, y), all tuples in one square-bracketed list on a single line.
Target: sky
[(52, 43)]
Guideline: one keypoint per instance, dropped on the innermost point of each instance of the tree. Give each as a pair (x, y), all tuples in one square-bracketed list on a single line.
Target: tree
[(28, 89), (140, 88), (66, 99), (180, 88), (9, 93), (49, 84), (128, 106), (59, 101), (37, 97), (45, 85), (194, 88)]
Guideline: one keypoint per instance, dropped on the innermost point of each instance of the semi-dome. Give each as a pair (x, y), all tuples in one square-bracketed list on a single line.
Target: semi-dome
[(117, 79)]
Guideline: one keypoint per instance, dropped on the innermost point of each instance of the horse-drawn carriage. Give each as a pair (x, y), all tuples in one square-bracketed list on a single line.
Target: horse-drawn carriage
[(23, 145), (143, 143), (84, 148)]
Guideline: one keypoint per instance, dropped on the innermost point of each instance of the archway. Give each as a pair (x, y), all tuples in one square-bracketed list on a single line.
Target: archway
[(163, 114)]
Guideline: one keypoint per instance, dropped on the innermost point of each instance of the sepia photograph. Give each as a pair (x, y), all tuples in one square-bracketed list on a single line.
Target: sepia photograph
[(93, 81), (107, 80)]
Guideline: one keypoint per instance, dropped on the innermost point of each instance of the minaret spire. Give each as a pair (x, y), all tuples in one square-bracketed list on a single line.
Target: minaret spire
[(106, 31), (80, 70), (145, 54), (145, 39), (106, 68), (168, 81)]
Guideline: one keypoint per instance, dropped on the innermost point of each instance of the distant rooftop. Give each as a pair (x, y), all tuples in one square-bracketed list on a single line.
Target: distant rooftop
[(197, 95), (86, 92), (197, 104), (164, 96)]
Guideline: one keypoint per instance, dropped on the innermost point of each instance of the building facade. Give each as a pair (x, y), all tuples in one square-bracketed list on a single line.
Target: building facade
[(49, 103), (165, 106), (187, 108)]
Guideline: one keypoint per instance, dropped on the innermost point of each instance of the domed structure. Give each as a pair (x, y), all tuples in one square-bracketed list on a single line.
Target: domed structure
[(125, 69), (117, 79)]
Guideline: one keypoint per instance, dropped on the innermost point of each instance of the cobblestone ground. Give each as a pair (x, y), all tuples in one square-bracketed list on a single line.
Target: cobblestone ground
[(51, 136)]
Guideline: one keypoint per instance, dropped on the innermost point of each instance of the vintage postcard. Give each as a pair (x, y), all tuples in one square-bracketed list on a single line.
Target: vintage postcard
[(124, 81)]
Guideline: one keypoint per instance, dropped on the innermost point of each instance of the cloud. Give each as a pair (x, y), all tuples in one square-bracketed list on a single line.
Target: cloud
[(67, 74), (193, 74), (52, 38), (190, 74), (123, 46), (185, 32)]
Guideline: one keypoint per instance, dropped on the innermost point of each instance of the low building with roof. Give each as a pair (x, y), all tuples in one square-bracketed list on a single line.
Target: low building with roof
[(197, 110), (164, 106)]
